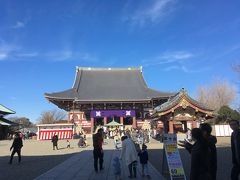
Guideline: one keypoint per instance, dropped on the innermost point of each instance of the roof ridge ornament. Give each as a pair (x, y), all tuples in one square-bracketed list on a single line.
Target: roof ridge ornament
[(183, 91)]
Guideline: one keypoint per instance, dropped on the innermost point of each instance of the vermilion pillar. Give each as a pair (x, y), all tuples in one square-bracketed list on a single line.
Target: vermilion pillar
[(105, 120), (69, 120), (134, 124), (92, 124), (171, 130), (121, 120)]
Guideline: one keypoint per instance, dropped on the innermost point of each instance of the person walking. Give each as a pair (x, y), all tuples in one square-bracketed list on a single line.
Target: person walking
[(235, 147), (199, 156), (129, 154), (211, 140), (81, 142), (97, 149), (143, 155), (68, 144), (16, 146), (55, 141)]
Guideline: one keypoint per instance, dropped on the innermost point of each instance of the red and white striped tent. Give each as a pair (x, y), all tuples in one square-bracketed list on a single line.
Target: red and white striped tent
[(47, 131)]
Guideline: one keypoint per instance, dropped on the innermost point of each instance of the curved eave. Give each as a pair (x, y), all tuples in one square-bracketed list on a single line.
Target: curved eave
[(195, 103), (64, 98), (209, 113), (100, 100), (63, 95), (5, 111), (171, 108), (159, 94), (57, 98)]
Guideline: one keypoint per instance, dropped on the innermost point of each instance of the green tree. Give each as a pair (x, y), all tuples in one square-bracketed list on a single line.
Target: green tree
[(22, 121), (225, 113)]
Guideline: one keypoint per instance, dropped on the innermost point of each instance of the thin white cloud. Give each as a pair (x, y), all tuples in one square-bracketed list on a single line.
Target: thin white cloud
[(219, 54), (185, 69), (3, 55), (10, 52), (168, 57), (153, 13), (59, 55), (170, 68), (174, 61), (16, 53), (176, 55), (66, 55), (18, 24), (6, 50), (29, 54)]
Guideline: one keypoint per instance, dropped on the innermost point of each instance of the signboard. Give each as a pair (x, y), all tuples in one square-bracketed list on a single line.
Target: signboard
[(173, 157)]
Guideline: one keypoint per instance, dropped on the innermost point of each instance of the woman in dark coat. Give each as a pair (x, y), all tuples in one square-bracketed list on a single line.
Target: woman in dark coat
[(55, 141), (199, 156), (211, 140), (16, 146)]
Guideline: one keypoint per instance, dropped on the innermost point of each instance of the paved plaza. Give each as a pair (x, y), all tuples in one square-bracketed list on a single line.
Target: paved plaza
[(39, 161)]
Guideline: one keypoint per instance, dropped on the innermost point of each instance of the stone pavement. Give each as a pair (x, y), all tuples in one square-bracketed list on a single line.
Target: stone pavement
[(80, 166)]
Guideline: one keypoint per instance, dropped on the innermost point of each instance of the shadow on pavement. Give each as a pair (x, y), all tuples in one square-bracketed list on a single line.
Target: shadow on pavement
[(33, 166), (224, 161), (30, 167)]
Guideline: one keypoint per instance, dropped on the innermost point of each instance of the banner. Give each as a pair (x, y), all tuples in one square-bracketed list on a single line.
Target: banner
[(173, 157), (110, 113)]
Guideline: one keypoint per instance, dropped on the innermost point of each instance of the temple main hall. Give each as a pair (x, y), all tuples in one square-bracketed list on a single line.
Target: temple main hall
[(100, 96)]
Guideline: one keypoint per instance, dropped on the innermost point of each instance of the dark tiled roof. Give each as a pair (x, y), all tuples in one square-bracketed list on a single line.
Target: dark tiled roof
[(8, 122), (4, 110), (109, 84), (174, 100)]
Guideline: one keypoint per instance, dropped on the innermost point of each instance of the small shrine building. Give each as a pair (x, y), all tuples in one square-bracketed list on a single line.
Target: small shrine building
[(4, 123), (181, 112)]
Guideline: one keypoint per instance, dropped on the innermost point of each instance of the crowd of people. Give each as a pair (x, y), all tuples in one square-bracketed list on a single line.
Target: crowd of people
[(202, 148), (139, 136)]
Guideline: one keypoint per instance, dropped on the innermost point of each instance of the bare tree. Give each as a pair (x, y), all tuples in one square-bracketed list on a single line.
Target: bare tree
[(23, 121), (219, 94), (51, 116)]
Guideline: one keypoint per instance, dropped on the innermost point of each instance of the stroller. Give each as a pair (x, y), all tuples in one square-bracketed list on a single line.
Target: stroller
[(81, 142), (118, 144)]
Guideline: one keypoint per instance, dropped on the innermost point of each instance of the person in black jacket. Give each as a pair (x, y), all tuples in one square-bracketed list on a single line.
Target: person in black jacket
[(98, 150), (211, 140), (235, 146), (55, 141), (199, 156), (143, 156), (16, 146)]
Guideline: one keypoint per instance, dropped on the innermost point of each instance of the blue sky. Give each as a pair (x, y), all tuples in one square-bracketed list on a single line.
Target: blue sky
[(178, 43)]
